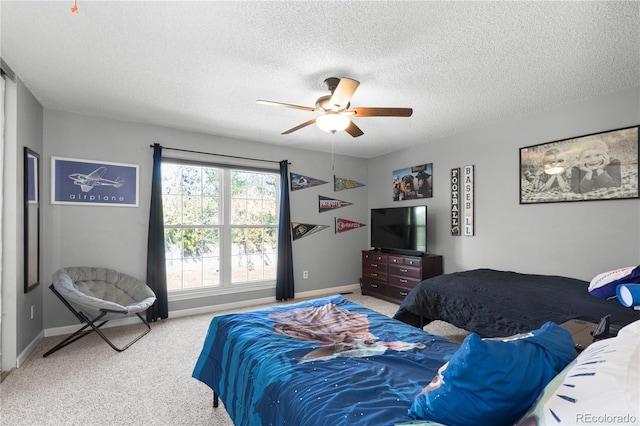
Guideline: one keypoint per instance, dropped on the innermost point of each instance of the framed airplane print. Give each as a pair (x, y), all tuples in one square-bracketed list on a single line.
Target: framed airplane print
[(88, 182)]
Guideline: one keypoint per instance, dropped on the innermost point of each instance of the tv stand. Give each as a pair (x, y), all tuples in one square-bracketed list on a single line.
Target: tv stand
[(391, 276)]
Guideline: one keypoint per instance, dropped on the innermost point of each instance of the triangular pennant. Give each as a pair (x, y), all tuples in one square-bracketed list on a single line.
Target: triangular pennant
[(299, 230), (326, 204), (344, 225), (340, 183), (302, 182)]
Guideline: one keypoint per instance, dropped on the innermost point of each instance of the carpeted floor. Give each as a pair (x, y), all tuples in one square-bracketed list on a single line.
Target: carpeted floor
[(88, 383)]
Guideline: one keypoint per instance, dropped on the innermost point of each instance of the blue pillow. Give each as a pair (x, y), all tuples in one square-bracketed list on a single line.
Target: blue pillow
[(491, 381)]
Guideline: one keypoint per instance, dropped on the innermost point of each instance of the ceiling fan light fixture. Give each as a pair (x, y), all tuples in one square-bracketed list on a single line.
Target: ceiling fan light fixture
[(332, 122)]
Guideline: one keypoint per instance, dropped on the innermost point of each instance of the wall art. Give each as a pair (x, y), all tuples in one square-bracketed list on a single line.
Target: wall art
[(88, 182), (298, 182), (599, 166), (413, 183), (299, 230), (455, 201), (344, 225), (467, 200), (31, 220), (326, 204), (340, 183)]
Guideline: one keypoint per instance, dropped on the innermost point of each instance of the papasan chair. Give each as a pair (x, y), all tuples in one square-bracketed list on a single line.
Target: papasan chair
[(98, 295)]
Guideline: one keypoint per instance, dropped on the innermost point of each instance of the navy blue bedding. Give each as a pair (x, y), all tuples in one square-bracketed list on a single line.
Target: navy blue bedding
[(502, 303), (322, 362)]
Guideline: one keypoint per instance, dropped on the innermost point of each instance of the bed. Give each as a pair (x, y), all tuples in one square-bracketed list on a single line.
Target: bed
[(328, 356), (330, 361), (496, 303)]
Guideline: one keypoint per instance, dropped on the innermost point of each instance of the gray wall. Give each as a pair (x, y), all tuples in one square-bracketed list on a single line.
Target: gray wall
[(579, 239), (575, 239), (116, 237), (23, 123), (29, 135)]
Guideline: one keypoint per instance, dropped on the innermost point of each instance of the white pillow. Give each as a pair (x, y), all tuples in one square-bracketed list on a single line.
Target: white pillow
[(600, 387), (601, 280)]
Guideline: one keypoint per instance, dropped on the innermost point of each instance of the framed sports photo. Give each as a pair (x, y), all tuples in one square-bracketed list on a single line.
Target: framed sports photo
[(599, 166)]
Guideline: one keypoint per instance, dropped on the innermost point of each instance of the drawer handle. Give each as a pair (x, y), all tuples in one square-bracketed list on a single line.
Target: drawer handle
[(402, 280), (374, 285), (403, 293), (373, 274), (404, 270), (375, 265)]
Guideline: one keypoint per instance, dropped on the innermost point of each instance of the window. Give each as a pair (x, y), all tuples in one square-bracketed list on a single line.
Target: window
[(221, 226)]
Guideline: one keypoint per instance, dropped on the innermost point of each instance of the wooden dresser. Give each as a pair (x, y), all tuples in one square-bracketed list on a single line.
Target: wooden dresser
[(391, 276)]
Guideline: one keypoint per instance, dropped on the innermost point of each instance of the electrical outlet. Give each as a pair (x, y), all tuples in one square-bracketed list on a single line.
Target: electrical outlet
[(305, 274), (33, 311)]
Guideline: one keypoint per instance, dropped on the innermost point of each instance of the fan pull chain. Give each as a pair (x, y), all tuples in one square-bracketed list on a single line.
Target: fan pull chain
[(74, 9), (332, 164)]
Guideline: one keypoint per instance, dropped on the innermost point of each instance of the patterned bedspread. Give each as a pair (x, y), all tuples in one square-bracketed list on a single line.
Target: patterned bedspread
[(323, 362)]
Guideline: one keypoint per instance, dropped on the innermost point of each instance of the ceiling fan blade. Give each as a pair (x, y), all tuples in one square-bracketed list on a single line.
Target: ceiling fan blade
[(342, 94), (304, 108), (354, 130), (382, 112), (299, 126)]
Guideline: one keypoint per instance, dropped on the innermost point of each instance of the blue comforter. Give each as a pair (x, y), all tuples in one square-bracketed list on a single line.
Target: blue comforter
[(322, 362)]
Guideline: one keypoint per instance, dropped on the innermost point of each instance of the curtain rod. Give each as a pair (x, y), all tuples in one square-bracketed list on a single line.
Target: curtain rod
[(220, 155)]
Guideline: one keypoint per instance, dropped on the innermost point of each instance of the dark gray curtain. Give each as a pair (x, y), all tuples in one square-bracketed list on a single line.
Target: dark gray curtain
[(156, 267), (284, 279)]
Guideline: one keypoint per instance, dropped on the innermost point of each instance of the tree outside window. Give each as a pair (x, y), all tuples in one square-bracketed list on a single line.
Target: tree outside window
[(220, 226)]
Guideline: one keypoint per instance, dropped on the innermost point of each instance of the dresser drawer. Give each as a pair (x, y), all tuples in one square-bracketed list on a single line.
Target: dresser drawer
[(398, 260), (413, 261), (398, 293), (407, 282), (405, 271), (369, 286), (375, 274), (374, 265), (375, 257)]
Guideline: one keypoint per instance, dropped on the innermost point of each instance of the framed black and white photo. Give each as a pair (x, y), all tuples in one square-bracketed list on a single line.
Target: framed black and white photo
[(598, 166), (88, 182)]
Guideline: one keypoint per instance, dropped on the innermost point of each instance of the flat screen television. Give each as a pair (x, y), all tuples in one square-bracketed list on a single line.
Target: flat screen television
[(399, 229)]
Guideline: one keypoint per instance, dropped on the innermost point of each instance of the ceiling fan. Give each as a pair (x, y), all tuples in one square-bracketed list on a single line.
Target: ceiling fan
[(335, 109)]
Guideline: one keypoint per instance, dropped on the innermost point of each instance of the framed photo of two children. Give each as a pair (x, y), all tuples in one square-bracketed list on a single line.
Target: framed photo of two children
[(599, 166)]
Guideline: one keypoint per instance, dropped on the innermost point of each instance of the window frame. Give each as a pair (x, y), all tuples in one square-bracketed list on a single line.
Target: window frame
[(225, 286)]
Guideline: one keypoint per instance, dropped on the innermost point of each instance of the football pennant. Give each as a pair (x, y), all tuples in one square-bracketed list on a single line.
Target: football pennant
[(344, 225), (299, 230), (340, 183), (326, 204), (302, 182)]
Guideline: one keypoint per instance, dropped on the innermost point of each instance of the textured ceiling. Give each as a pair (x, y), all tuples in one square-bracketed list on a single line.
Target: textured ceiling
[(202, 65)]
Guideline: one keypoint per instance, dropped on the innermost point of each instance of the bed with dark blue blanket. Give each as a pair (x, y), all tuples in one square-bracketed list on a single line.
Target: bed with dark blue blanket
[(322, 362), (495, 303)]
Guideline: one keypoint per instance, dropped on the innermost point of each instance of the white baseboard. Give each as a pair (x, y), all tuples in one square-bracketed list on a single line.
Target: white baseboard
[(57, 331), (30, 348)]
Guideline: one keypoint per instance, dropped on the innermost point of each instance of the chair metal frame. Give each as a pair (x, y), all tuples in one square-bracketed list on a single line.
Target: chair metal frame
[(93, 323)]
